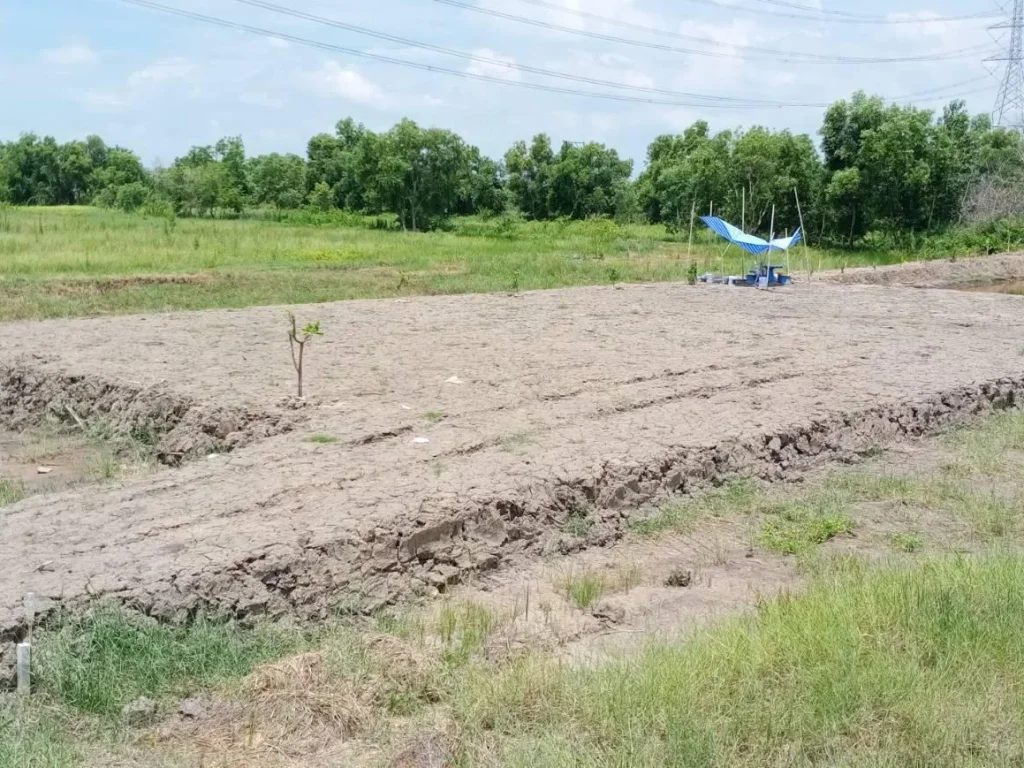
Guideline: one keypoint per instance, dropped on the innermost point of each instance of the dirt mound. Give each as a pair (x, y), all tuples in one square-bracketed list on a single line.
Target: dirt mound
[(449, 435), (178, 428), (945, 273)]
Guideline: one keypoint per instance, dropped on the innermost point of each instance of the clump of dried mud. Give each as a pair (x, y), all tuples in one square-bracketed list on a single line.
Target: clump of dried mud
[(178, 428)]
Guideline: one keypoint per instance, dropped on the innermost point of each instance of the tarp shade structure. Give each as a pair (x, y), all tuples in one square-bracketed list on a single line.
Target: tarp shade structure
[(750, 243)]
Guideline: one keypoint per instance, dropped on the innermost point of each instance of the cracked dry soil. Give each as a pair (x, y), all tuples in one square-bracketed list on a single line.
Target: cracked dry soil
[(467, 429)]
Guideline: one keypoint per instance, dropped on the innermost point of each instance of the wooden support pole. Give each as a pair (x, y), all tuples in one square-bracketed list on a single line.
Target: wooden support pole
[(803, 232), (693, 213)]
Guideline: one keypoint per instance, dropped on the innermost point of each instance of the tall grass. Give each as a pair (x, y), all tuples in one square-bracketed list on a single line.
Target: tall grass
[(901, 667), (83, 261), (100, 661)]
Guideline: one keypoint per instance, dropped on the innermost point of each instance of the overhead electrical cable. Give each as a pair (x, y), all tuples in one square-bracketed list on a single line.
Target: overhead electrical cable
[(500, 63), (717, 102), (962, 53), (847, 15), (712, 101), (661, 32)]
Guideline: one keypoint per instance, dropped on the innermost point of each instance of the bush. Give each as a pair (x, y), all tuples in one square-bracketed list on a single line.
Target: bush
[(321, 198), (131, 197)]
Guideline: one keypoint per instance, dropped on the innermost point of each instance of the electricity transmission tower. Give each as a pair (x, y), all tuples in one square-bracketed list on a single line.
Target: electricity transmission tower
[(1009, 109)]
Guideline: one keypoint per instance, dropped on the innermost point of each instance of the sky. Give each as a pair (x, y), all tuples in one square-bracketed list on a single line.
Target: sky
[(158, 83)]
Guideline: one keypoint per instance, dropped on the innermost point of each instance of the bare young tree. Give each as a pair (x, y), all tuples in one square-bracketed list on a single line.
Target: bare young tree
[(297, 340)]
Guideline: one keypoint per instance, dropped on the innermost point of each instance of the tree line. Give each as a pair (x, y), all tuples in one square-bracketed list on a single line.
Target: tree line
[(878, 168)]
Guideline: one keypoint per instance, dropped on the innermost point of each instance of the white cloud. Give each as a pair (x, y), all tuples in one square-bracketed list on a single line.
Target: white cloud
[(334, 80), (622, 11), (495, 66), (99, 100), (259, 99), (174, 68), (74, 54), (952, 35), (603, 66), (277, 42)]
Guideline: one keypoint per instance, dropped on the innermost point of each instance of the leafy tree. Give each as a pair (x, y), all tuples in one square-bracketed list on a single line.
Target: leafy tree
[(278, 180), (528, 171), (584, 181), (417, 173)]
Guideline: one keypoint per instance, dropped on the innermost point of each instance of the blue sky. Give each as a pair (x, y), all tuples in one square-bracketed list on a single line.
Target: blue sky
[(159, 84)]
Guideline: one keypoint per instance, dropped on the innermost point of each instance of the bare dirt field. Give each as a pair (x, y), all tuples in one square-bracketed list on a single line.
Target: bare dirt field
[(443, 436)]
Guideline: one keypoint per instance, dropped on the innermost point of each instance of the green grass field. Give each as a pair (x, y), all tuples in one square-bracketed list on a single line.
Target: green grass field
[(64, 262)]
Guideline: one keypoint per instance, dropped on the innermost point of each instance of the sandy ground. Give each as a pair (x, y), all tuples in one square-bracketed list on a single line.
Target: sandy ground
[(469, 428)]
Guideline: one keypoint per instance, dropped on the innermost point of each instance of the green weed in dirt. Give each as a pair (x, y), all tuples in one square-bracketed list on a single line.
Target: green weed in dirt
[(584, 589), (98, 662), (907, 542), (10, 492), (580, 519), (794, 529), (321, 439), (464, 628), (739, 497)]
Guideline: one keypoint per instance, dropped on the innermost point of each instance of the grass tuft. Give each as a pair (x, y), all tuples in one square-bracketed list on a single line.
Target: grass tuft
[(907, 542), (794, 528), (11, 491), (98, 662), (322, 439)]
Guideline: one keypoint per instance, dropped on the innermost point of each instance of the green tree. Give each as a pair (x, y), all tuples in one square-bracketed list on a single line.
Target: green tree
[(527, 172), (278, 180), (416, 173), (584, 181)]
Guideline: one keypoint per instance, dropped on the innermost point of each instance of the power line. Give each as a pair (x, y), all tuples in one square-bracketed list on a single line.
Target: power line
[(295, 13), (846, 15), (842, 15), (238, 26), (948, 87), (790, 56), (757, 49), (714, 102), (511, 66)]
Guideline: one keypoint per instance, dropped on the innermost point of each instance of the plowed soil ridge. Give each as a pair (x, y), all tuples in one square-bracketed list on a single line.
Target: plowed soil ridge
[(177, 427), (466, 430)]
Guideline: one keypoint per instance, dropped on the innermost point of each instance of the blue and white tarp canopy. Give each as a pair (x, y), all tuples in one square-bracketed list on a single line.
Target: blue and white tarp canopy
[(750, 243)]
